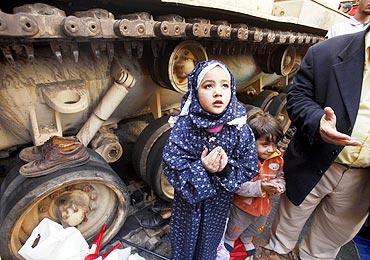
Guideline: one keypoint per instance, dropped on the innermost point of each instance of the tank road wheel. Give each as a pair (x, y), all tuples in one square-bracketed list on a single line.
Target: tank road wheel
[(264, 99), (86, 197), (283, 60), (161, 186), (277, 109), (147, 157), (182, 61), (280, 60), (172, 70)]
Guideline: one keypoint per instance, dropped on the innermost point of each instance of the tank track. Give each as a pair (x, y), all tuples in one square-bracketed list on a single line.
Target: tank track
[(34, 23)]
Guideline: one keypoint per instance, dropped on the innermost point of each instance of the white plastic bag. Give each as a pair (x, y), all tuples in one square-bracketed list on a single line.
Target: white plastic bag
[(135, 257), (119, 254), (123, 254), (54, 242)]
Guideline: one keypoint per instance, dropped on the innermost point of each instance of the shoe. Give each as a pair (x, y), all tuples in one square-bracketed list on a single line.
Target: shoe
[(267, 254), (153, 221), (250, 249), (294, 255), (55, 158), (222, 252), (158, 207), (166, 213), (33, 153), (30, 154)]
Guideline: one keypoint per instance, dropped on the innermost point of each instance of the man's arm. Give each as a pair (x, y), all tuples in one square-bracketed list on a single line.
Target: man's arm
[(307, 114), (302, 107)]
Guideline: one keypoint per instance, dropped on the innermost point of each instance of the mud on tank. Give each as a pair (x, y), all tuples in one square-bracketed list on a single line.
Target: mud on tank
[(95, 69)]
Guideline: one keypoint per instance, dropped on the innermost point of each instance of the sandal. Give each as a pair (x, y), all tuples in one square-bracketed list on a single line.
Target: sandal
[(267, 254)]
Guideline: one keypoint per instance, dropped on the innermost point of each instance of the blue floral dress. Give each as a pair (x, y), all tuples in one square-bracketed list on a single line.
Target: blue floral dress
[(202, 200)]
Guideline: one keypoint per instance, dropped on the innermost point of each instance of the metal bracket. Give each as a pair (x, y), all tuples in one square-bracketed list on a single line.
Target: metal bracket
[(155, 104)]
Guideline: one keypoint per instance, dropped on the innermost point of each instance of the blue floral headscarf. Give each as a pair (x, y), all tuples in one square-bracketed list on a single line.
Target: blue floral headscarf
[(234, 114)]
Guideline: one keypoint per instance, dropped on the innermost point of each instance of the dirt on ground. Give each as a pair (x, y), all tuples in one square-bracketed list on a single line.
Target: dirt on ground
[(162, 242)]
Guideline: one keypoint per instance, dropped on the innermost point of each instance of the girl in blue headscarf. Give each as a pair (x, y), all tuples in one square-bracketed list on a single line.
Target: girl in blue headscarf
[(210, 152)]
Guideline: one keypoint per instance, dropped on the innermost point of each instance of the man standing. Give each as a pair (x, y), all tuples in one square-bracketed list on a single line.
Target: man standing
[(327, 163), (355, 23)]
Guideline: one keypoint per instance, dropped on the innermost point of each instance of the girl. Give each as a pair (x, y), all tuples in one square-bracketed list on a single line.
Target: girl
[(210, 152)]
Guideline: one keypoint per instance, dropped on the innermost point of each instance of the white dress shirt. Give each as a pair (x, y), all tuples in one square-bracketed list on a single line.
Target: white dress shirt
[(346, 27)]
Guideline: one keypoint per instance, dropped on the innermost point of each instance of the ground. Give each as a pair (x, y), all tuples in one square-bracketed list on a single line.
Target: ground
[(157, 241)]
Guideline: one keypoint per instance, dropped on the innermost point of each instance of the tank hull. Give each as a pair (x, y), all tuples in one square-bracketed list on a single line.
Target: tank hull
[(111, 77)]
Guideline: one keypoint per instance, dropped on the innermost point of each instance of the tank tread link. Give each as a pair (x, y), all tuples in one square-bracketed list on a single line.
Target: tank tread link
[(43, 23)]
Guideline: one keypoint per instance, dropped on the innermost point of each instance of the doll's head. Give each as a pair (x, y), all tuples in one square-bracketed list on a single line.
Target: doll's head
[(267, 131)]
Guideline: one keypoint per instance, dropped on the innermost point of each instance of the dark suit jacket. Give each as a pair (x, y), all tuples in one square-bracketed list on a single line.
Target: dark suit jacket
[(331, 75)]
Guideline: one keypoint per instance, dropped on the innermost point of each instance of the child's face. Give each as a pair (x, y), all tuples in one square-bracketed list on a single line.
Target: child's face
[(214, 91), (265, 148)]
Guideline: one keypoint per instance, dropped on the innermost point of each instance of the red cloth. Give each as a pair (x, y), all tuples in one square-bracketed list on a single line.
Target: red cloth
[(353, 11), (239, 252), (215, 130)]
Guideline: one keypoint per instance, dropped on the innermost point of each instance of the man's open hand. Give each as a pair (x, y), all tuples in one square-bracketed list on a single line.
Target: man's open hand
[(329, 133)]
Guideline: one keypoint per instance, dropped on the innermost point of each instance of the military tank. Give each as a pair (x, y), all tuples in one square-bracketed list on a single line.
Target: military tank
[(86, 68)]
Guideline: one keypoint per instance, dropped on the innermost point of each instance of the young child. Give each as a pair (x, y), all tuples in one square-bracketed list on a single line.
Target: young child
[(210, 152), (252, 202)]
